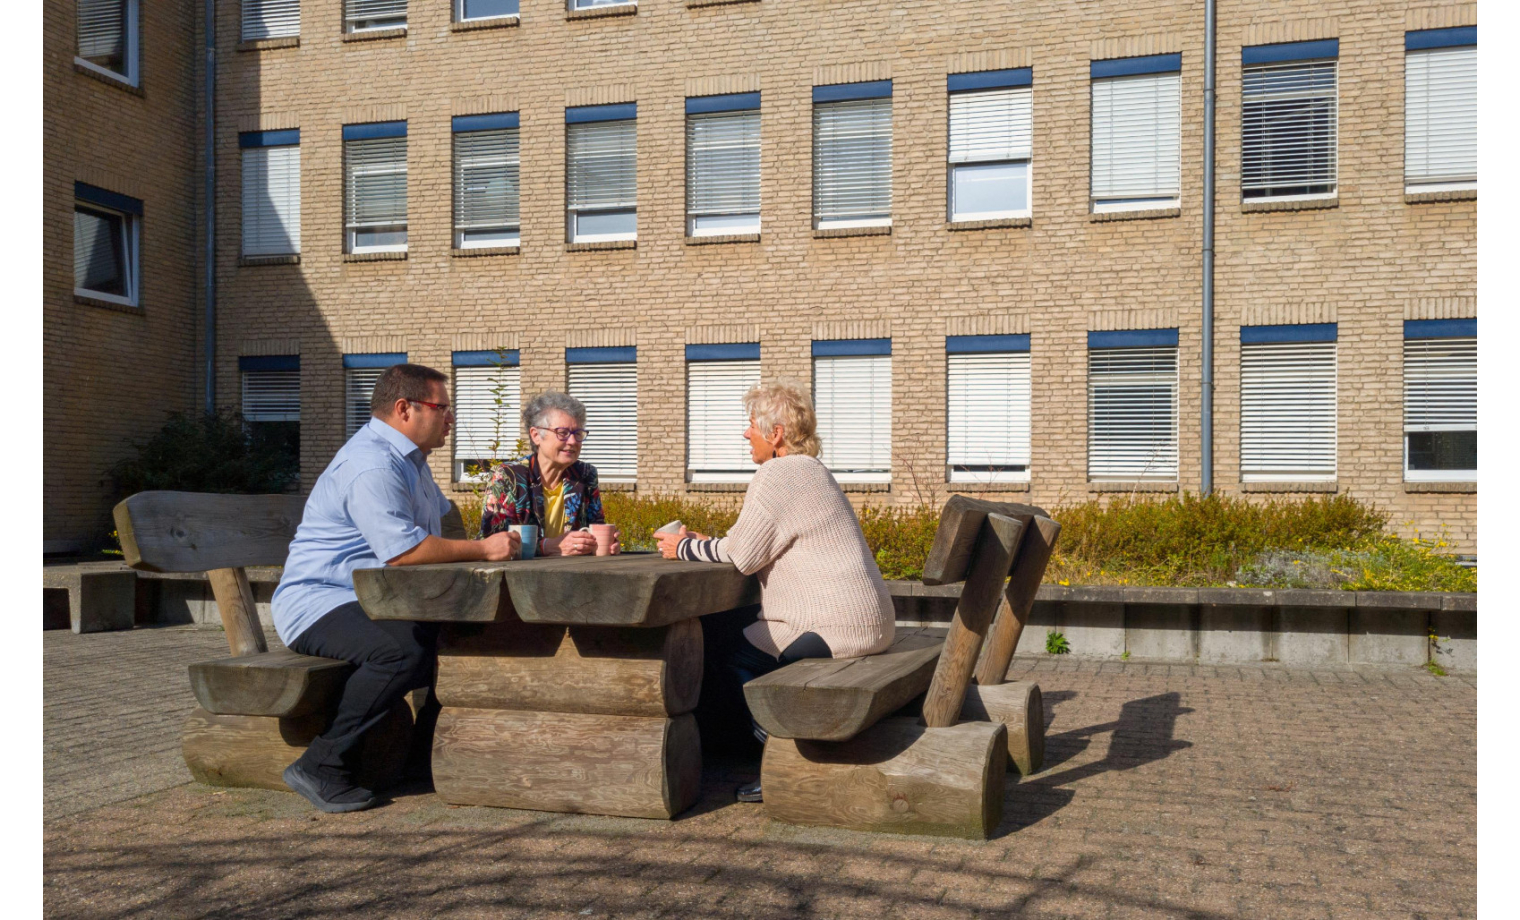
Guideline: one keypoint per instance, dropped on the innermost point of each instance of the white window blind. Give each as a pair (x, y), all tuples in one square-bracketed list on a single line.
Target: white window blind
[(272, 396), (1441, 117), (1132, 414), (990, 140), (271, 19), (1288, 129), (853, 400), (374, 194), (716, 450), (852, 163), (487, 403), (1136, 141), (610, 392), (360, 384), (988, 417), (600, 180), (106, 31), (1441, 409), (271, 200), (486, 190), (723, 173), (1287, 411), (361, 15)]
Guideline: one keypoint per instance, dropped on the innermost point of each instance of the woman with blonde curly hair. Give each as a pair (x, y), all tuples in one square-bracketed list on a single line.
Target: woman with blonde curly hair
[(821, 594)]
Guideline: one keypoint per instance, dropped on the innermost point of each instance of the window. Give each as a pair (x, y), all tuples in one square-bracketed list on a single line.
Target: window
[(987, 401), (607, 381), (593, 4), (468, 10), (717, 377), (723, 164), (370, 15), (360, 373), (272, 401), (374, 187), (852, 395), (107, 37), (487, 403), (271, 19), (600, 182), (1288, 113), (105, 244), (1287, 403), (990, 139), (485, 181), (1132, 405), (1441, 400), (271, 192), (1441, 109), (852, 155), (1136, 133)]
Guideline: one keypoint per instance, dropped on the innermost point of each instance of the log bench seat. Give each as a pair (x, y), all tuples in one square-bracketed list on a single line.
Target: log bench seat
[(283, 684)]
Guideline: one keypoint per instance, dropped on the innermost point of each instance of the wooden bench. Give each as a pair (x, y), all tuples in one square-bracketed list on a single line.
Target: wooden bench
[(258, 710), (835, 758)]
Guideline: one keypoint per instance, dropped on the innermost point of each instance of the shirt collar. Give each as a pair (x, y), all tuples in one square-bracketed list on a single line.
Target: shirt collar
[(401, 443)]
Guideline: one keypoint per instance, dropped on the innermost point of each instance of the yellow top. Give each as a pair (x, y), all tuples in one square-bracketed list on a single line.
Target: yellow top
[(554, 511)]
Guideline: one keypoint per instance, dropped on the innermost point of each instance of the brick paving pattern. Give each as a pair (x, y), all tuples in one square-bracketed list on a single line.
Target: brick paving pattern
[(1169, 791)]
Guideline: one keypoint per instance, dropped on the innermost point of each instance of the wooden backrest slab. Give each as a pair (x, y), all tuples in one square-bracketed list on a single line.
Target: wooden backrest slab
[(960, 522), (198, 532)]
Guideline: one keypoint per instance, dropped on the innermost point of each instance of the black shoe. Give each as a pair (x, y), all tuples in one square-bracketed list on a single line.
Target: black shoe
[(749, 793), (329, 796)]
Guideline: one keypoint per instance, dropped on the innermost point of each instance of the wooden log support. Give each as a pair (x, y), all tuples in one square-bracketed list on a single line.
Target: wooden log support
[(240, 617), (834, 699), (1018, 599), (607, 671), (995, 549), (567, 762), (238, 750), (283, 684), (895, 777), (1019, 707)]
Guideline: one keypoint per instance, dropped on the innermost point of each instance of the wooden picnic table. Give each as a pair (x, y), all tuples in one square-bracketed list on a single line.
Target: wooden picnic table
[(567, 683)]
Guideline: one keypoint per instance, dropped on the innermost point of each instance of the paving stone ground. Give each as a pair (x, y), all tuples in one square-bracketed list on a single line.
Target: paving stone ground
[(1168, 791)]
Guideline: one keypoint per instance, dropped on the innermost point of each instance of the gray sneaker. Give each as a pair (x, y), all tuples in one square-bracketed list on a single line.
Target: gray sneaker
[(329, 796), (749, 793)]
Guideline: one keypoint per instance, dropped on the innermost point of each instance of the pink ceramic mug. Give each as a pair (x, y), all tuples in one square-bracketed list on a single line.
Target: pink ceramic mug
[(604, 538)]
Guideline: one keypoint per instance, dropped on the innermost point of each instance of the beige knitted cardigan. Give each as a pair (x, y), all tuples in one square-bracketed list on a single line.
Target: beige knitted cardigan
[(799, 533)]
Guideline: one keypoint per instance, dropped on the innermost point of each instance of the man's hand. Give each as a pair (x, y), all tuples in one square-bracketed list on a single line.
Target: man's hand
[(495, 548), (501, 546), (670, 542)]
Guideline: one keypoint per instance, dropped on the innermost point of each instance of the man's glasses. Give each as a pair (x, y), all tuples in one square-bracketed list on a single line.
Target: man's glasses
[(439, 407), (565, 434)]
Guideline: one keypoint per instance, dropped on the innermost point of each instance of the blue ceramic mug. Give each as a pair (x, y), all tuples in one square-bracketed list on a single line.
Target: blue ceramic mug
[(529, 535)]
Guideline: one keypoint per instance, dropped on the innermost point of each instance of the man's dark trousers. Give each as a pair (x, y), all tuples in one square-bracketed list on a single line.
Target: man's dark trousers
[(393, 658)]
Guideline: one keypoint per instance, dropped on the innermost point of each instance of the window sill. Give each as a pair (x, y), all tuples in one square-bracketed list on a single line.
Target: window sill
[(1451, 488), (1104, 217), (602, 246), (624, 486), (865, 486), (479, 252), (1263, 205), (132, 309), (693, 3), (270, 44), (375, 35), (986, 487), (717, 486), (118, 82), (477, 25), (728, 238), (374, 257), (603, 12), (1132, 487), (252, 261), (838, 232), (1000, 223), (1458, 194), (1328, 488)]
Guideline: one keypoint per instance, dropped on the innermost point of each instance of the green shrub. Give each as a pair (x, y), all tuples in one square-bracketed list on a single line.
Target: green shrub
[(208, 453), (899, 537)]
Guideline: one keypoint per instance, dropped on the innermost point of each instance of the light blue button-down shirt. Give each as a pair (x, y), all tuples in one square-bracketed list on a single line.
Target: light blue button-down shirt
[(376, 500)]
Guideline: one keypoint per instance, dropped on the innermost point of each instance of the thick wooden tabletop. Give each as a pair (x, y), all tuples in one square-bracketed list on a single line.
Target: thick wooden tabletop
[(631, 589)]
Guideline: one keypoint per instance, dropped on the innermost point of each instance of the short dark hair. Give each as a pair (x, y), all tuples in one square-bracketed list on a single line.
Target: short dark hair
[(402, 381)]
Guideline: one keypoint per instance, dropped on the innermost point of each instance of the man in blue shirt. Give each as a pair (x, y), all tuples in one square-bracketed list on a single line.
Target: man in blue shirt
[(376, 504)]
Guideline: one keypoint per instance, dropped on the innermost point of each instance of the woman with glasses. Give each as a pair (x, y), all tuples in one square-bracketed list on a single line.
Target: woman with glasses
[(550, 487)]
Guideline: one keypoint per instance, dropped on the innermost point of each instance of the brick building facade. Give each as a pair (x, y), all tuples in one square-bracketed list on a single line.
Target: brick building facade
[(1359, 260)]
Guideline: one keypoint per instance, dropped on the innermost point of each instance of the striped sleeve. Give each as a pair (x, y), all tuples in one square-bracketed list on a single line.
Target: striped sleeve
[(692, 550)]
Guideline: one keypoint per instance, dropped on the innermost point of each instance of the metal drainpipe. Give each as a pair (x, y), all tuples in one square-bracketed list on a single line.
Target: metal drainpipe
[(210, 214), (1206, 433)]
